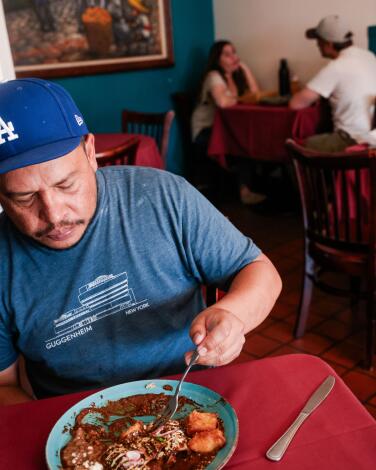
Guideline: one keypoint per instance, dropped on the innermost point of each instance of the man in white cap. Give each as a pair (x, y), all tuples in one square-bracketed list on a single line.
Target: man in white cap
[(348, 81)]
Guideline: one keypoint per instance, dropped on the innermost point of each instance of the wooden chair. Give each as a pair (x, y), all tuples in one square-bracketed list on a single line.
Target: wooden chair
[(124, 154), (156, 125), (338, 200)]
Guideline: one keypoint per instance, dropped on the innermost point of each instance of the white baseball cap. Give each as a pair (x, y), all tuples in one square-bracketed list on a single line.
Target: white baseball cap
[(331, 28)]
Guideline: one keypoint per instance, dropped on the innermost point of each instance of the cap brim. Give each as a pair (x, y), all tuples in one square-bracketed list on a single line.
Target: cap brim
[(39, 154), (311, 33)]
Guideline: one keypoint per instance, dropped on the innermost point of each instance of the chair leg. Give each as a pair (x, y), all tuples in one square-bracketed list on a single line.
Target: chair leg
[(306, 296)]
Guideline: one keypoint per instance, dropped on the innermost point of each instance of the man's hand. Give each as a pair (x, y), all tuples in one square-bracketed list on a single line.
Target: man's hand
[(219, 330), (219, 335)]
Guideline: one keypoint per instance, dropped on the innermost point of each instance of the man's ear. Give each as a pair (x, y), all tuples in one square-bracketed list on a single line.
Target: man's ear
[(90, 151)]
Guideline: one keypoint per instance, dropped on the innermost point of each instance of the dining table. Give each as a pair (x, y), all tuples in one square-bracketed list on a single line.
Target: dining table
[(266, 394), (259, 131), (147, 153)]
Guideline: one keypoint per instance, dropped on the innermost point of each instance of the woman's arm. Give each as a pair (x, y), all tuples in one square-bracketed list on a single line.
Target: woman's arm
[(252, 83), (221, 96)]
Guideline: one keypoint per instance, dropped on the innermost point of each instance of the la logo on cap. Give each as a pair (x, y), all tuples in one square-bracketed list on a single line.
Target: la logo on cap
[(79, 120), (7, 128)]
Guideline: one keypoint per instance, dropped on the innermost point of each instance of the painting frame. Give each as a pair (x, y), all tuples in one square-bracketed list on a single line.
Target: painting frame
[(99, 65)]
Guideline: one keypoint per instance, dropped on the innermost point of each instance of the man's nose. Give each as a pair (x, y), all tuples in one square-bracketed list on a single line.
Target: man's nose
[(52, 208)]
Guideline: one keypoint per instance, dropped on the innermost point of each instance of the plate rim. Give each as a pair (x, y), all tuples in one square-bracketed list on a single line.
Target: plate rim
[(150, 390)]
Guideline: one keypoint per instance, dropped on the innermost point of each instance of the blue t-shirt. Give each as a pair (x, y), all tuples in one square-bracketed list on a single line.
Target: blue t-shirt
[(118, 305)]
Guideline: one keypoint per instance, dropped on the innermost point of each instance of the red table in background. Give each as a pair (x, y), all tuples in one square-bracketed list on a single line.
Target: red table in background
[(147, 153), (259, 132), (267, 395)]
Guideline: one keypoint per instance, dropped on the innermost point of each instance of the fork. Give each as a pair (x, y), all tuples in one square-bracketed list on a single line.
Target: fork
[(170, 409)]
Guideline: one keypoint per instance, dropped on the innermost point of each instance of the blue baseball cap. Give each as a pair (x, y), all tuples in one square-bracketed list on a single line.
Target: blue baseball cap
[(39, 121)]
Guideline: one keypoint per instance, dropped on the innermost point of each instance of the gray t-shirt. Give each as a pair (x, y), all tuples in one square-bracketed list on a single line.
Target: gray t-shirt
[(118, 305)]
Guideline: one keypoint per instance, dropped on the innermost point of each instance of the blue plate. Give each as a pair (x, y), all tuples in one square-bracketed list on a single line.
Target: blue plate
[(207, 399)]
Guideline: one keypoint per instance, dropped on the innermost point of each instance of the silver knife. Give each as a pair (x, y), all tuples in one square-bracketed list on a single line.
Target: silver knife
[(277, 450)]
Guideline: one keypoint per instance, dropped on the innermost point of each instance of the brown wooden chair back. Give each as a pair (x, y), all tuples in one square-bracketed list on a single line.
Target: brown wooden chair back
[(156, 125), (338, 197), (124, 154)]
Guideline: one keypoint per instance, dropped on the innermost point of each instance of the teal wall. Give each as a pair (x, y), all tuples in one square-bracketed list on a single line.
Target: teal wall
[(372, 38), (102, 97)]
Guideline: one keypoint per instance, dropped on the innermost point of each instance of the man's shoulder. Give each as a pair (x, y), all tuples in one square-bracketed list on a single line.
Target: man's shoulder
[(367, 56), (354, 55), (139, 172), (330, 71), (360, 51), (156, 189), (141, 177)]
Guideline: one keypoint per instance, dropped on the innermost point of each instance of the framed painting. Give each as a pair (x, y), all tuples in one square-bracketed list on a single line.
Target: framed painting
[(58, 38)]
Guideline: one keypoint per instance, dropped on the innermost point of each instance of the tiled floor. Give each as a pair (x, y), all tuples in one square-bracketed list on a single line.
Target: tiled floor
[(332, 333)]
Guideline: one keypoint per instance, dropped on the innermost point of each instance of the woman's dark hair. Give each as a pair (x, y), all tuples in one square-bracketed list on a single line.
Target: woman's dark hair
[(213, 64)]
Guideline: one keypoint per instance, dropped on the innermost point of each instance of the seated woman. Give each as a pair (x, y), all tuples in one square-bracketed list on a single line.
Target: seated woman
[(224, 80)]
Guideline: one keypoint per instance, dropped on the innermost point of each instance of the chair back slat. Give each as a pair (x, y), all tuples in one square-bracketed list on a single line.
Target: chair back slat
[(345, 216), (359, 216), (325, 187), (318, 209), (155, 125), (337, 196), (332, 179)]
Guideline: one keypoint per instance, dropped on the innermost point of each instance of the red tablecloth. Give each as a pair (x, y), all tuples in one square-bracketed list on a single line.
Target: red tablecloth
[(259, 132), (147, 153), (267, 395)]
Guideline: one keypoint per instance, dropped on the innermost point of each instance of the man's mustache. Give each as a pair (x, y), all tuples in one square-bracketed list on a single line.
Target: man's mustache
[(63, 223)]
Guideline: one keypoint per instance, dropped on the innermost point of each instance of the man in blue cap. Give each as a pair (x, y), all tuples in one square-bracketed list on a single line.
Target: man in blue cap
[(101, 271)]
